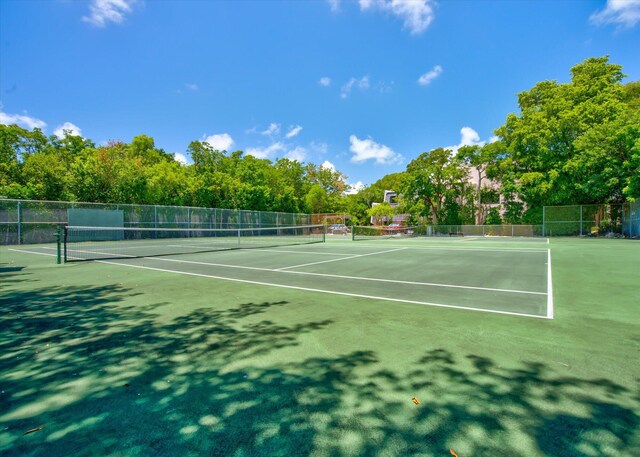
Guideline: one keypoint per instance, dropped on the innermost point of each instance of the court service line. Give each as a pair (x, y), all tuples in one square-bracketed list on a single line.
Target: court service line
[(357, 278), (338, 260), (322, 291), (549, 287)]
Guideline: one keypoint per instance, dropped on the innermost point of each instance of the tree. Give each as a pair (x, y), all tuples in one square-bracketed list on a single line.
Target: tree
[(317, 199), (572, 143), (431, 179), (381, 213), (479, 158)]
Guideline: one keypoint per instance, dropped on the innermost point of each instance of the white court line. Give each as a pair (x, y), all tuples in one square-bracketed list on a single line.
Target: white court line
[(112, 254), (322, 291), (249, 248), (327, 275), (455, 248), (110, 262), (32, 252), (549, 287), (301, 252), (338, 260), (358, 278), (175, 245)]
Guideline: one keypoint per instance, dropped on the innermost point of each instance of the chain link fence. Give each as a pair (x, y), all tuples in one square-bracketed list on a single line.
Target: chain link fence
[(32, 221), (608, 220), (631, 220), (486, 230)]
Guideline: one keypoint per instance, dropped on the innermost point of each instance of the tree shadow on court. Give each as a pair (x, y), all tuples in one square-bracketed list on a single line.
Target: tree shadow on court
[(108, 378), (11, 275)]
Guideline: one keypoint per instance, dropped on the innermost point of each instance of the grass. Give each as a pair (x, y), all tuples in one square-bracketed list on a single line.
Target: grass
[(115, 361)]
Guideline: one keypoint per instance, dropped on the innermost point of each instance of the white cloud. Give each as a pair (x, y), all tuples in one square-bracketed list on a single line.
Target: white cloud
[(325, 81), (67, 127), (299, 153), (430, 75), (220, 141), (181, 158), (105, 11), (624, 13), (293, 131), (328, 165), (335, 5), (22, 120), (469, 137), (362, 84), (319, 146), (355, 188), (416, 14), (273, 129), (368, 149), (191, 86), (265, 153)]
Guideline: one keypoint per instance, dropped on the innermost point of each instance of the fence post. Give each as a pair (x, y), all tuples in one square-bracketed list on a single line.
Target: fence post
[(19, 224), (544, 223), (580, 220)]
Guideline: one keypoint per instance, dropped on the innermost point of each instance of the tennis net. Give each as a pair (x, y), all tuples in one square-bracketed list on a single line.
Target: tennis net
[(377, 232), (101, 243)]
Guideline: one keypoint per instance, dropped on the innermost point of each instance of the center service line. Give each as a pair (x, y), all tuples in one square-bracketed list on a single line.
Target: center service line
[(338, 260)]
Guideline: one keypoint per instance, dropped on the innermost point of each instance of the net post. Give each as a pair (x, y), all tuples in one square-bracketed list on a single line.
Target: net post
[(59, 245), (19, 224), (65, 239)]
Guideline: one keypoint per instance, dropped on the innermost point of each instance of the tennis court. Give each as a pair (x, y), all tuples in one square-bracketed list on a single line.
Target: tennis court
[(509, 278), (319, 348)]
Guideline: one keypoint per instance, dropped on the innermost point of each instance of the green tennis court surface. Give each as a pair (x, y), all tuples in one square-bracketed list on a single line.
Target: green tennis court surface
[(317, 349), (513, 280)]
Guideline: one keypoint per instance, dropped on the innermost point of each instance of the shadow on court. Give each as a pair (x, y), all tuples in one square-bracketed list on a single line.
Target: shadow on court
[(106, 378)]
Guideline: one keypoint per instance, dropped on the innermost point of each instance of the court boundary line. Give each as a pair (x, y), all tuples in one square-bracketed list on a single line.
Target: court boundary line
[(331, 292), (357, 278), (456, 248), (326, 275), (284, 286), (550, 310), (32, 252)]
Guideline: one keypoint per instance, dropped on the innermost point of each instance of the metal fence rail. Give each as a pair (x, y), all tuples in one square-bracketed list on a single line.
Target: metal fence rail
[(34, 221)]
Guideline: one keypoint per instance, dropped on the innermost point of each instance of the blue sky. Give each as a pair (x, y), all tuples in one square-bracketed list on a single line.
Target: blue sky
[(365, 86)]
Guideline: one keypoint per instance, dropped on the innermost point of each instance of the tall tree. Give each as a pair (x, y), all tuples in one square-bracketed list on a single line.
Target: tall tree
[(431, 179), (479, 158), (572, 143)]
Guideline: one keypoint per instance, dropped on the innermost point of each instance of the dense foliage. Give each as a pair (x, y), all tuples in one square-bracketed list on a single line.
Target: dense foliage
[(34, 166), (572, 143)]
